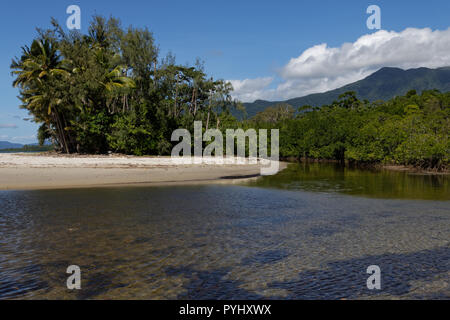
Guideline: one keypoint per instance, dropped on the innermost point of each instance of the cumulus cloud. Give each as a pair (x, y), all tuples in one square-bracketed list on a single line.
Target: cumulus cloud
[(322, 68), (8, 126), (250, 89)]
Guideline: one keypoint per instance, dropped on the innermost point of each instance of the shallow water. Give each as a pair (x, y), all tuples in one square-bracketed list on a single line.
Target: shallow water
[(373, 183), (310, 236)]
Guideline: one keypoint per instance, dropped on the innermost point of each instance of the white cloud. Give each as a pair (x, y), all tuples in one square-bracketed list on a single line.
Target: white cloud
[(250, 89), (322, 68), (8, 126)]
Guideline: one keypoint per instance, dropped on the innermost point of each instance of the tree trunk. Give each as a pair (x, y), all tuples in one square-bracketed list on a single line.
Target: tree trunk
[(69, 137), (192, 101), (154, 72), (175, 112), (209, 111), (195, 101), (60, 131)]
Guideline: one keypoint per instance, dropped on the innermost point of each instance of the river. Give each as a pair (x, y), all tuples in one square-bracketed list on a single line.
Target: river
[(309, 232)]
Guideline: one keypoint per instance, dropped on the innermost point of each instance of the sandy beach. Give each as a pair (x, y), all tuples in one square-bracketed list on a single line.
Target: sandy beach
[(52, 171)]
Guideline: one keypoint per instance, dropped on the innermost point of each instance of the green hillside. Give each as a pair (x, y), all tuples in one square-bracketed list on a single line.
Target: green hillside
[(384, 84)]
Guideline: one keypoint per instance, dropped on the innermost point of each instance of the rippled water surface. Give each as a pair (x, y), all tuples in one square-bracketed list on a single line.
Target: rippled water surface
[(310, 232)]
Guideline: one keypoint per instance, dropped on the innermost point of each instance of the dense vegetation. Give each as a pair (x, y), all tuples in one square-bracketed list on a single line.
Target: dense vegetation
[(411, 130), (384, 84), (109, 91)]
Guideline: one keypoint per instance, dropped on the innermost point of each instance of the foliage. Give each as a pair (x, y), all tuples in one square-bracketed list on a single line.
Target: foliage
[(108, 90), (409, 130)]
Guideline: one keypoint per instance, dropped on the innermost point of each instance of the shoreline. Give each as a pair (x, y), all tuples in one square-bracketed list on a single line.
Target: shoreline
[(53, 171), (377, 166), (414, 170)]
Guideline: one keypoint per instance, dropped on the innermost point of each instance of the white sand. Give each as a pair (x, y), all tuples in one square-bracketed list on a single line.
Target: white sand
[(28, 171)]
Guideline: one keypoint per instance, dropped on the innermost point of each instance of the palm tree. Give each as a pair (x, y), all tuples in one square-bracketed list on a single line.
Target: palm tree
[(115, 81), (35, 73)]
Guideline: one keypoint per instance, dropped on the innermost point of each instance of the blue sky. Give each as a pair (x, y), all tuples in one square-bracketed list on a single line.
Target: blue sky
[(238, 40)]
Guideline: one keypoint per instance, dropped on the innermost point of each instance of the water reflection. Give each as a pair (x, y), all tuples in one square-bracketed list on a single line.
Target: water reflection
[(330, 177)]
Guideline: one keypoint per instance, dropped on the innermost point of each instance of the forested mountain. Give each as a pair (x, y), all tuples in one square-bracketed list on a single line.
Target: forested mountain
[(384, 84), (9, 145)]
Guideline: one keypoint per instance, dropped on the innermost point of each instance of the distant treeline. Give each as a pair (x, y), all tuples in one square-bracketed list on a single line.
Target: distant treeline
[(408, 130), (29, 148)]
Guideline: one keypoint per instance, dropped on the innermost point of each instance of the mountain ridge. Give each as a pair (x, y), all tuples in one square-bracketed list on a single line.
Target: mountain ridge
[(9, 145), (384, 84)]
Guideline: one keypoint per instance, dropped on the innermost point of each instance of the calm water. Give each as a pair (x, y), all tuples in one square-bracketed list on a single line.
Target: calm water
[(309, 232), (384, 184)]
